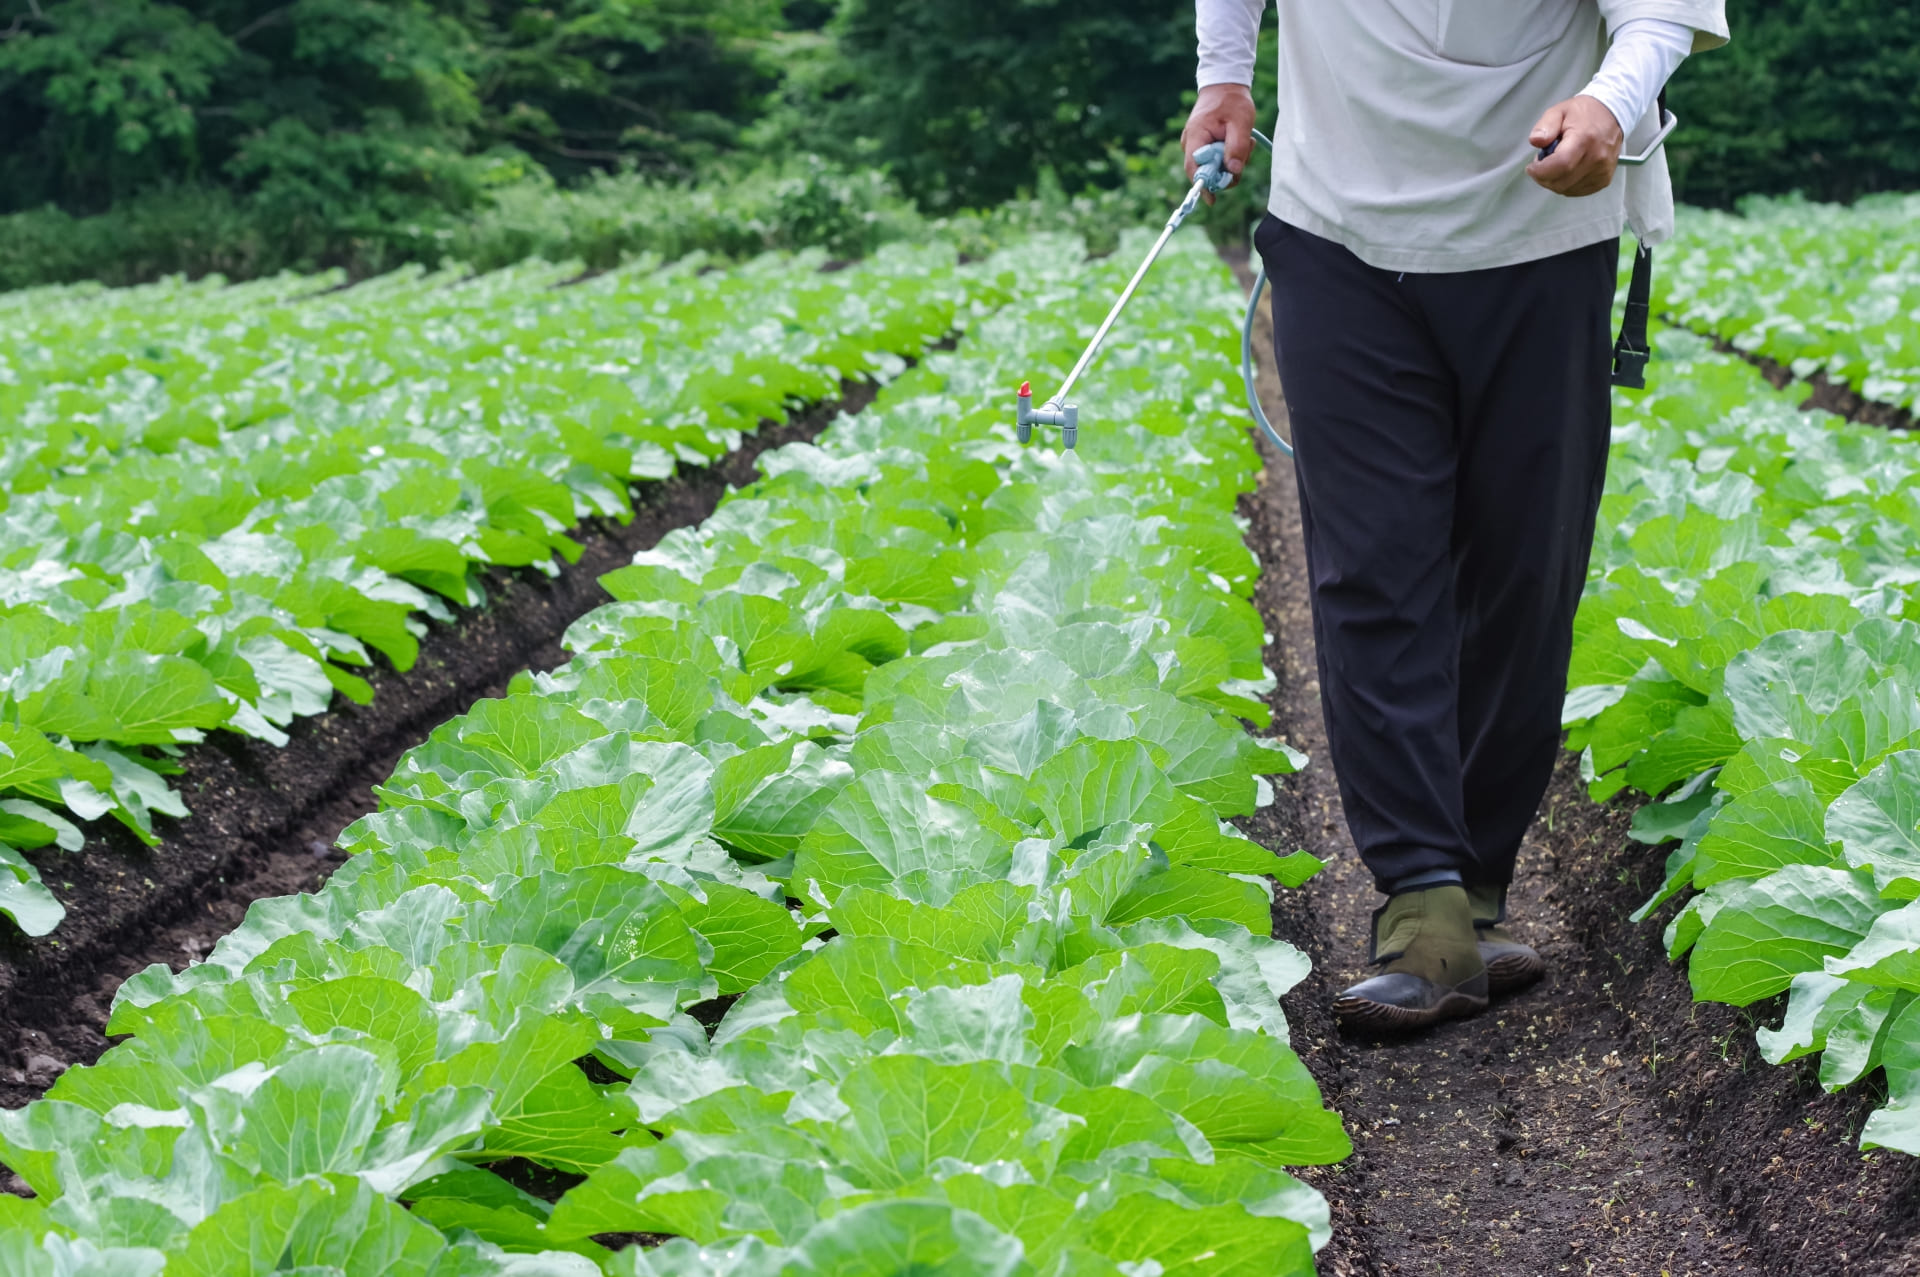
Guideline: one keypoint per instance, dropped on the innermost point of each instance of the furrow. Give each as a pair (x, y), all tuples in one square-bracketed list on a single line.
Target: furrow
[(263, 820), (1823, 393)]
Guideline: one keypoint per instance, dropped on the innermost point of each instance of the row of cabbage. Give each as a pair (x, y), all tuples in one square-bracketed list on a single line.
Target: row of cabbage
[(1817, 287), (1748, 651), (859, 900), (219, 501)]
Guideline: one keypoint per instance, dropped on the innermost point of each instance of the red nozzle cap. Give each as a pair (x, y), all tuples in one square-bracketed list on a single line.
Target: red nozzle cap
[(1026, 390)]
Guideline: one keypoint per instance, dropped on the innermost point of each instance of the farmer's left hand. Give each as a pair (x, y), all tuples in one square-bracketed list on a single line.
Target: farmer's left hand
[(1590, 141)]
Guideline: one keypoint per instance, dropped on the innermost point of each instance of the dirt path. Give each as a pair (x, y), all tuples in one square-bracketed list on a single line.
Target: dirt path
[(264, 820), (1598, 1123)]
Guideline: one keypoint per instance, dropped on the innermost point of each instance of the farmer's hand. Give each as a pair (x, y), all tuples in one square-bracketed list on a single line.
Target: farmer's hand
[(1590, 141), (1223, 113)]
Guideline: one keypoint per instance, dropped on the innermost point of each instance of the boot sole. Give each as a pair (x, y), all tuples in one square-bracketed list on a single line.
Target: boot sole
[(1381, 1017), (1511, 972)]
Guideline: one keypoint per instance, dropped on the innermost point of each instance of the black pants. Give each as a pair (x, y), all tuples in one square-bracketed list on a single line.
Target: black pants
[(1452, 435)]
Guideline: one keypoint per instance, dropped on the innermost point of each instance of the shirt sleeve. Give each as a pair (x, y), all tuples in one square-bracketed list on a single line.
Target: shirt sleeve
[(1644, 54), (1706, 19), (1229, 36)]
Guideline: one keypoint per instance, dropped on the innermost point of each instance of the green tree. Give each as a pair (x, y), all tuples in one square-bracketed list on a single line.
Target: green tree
[(1819, 96), (966, 101), (101, 98), (311, 103), (655, 84), (355, 113)]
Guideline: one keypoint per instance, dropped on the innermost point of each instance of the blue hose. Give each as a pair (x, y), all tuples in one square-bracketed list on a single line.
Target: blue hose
[(1246, 344), (1246, 365)]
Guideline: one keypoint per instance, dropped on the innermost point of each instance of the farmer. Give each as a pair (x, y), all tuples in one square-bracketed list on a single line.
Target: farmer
[(1441, 314)]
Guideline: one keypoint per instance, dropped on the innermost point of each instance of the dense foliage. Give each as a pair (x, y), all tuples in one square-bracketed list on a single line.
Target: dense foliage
[(1749, 650), (602, 222), (357, 115), (913, 760), (1819, 288), (222, 499), (964, 104), (1816, 96), (248, 136), (344, 111)]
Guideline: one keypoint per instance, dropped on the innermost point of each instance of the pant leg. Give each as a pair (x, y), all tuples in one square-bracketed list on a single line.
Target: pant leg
[(1373, 408), (1529, 345)]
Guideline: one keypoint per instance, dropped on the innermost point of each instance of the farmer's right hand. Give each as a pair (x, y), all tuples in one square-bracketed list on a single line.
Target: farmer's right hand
[(1223, 113)]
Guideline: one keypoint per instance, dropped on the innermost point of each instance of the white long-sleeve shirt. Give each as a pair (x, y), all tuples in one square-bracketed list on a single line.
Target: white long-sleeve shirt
[(1642, 57), (1402, 124)]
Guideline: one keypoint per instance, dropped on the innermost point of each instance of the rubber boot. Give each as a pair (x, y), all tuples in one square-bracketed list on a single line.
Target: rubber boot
[(1424, 942), (1510, 964)]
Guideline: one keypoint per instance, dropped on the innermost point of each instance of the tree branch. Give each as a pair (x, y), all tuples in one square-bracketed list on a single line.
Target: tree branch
[(560, 148), (271, 18), (19, 25), (630, 105)]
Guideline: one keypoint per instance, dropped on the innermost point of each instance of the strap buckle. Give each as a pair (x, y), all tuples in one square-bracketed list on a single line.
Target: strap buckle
[(1629, 366)]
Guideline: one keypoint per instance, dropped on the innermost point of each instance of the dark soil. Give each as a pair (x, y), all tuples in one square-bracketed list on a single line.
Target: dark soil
[(1776, 1152), (264, 819), (1836, 397), (1600, 1122)]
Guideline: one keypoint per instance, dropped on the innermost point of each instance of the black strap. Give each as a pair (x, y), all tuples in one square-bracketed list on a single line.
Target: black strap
[(1631, 352)]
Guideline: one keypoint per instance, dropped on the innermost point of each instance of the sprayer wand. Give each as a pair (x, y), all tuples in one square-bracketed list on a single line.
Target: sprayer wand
[(1210, 174)]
